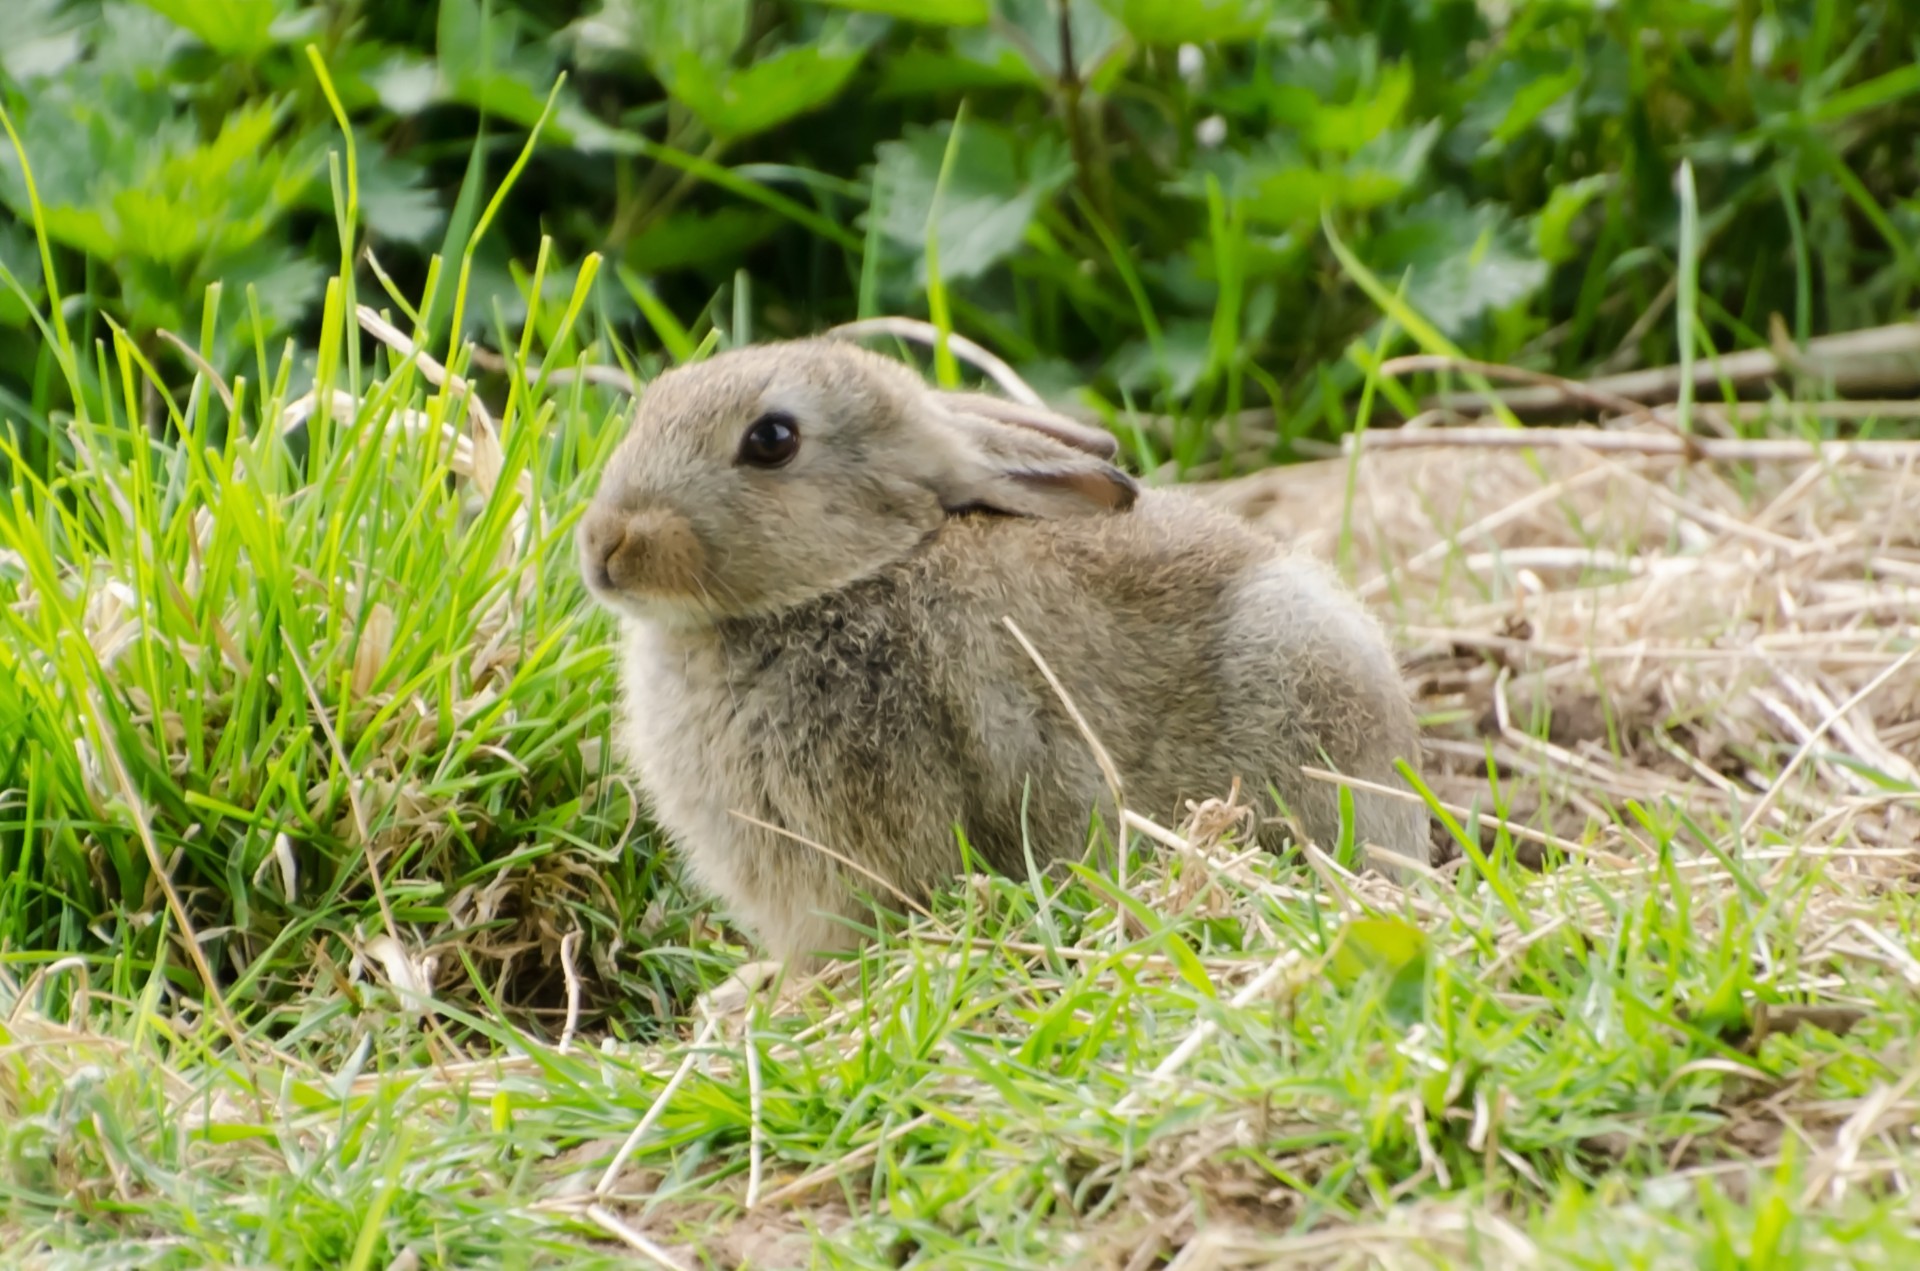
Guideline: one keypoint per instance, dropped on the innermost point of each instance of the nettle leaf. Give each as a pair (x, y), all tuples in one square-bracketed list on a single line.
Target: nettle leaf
[(691, 49), (237, 186), (44, 37), (235, 28), (149, 225), (669, 33), (992, 192), (394, 200), (1535, 89), (1335, 69), (405, 83), (1177, 365), (929, 12), (692, 240), (1197, 21), (1345, 127), (1460, 263), (485, 63), (774, 89), (1027, 33), (1281, 186), (287, 285), (1388, 166)]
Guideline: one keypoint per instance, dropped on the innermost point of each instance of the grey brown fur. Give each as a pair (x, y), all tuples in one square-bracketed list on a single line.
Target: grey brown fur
[(821, 647)]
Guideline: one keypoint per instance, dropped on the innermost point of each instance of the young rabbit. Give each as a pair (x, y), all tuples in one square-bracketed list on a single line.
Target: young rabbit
[(812, 552)]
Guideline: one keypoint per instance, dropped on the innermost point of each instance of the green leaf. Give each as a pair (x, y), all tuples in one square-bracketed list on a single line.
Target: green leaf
[(43, 38), (393, 198), (1027, 33), (1282, 186), (768, 93), (486, 64), (1177, 364), (695, 240), (1193, 21), (1553, 228), (1345, 128), (1386, 167), (287, 284), (1534, 99), (930, 12), (667, 34), (1375, 944), (405, 83), (1463, 263), (925, 72), (992, 192), (1389, 947), (233, 28), (20, 258)]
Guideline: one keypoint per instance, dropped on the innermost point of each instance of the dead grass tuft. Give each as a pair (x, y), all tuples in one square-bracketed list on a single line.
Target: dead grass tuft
[(1594, 628)]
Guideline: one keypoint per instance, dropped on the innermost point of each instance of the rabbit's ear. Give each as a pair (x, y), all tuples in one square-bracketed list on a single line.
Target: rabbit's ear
[(1024, 471), (1095, 441)]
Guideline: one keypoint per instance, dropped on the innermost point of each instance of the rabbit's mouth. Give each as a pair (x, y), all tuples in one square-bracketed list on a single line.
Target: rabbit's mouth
[(650, 563)]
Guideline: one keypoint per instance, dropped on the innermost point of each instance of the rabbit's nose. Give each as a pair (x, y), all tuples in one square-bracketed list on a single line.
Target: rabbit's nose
[(602, 533), (654, 550)]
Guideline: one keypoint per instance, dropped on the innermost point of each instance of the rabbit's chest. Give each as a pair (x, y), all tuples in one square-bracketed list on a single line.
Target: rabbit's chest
[(806, 727)]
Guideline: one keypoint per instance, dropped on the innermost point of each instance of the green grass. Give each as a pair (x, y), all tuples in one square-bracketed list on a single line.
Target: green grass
[(338, 681)]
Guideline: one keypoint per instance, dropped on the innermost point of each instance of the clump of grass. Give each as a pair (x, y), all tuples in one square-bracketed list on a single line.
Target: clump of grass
[(311, 646)]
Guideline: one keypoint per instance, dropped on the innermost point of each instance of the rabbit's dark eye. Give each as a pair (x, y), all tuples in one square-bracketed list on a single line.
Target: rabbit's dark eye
[(771, 442)]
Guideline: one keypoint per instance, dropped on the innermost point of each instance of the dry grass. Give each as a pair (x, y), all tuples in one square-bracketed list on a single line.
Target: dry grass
[(1637, 627)]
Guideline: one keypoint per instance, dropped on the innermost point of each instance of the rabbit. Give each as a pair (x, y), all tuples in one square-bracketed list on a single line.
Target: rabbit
[(810, 553)]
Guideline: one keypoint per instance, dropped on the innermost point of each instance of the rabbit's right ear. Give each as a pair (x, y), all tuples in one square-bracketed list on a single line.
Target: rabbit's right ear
[(1095, 441), (1022, 469)]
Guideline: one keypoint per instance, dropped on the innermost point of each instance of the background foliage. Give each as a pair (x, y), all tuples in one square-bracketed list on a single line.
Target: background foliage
[(1138, 200)]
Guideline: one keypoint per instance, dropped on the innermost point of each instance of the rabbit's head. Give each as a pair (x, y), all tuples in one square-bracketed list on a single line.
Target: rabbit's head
[(772, 474)]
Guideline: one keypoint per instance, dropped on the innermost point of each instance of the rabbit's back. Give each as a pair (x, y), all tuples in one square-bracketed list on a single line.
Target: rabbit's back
[(1198, 650)]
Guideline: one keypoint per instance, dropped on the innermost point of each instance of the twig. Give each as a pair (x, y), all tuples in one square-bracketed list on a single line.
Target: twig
[(1206, 1028), (1721, 449), (1591, 394), (437, 375), (569, 944), (1767, 800), (613, 1226), (1484, 527), (846, 1164), (80, 1005), (1828, 1171), (756, 1119), (606, 376), (1879, 360), (654, 1111), (966, 350)]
